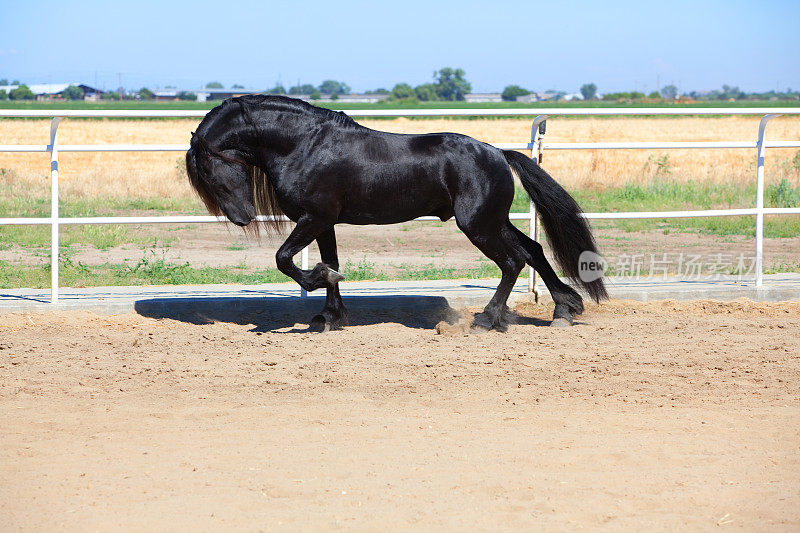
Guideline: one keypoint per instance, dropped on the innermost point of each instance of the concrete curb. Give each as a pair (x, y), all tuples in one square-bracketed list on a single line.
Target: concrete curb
[(375, 295)]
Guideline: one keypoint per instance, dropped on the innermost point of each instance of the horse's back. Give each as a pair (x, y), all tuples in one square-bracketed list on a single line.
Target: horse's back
[(377, 177)]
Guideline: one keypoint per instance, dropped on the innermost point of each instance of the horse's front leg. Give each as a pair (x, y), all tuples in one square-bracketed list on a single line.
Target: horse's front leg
[(307, 229), (334, 315)]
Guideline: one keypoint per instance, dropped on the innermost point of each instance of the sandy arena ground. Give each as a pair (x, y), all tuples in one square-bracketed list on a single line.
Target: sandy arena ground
[(658, 416)]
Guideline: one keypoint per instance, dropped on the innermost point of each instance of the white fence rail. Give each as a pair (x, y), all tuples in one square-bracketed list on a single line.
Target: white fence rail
[(535, 145)]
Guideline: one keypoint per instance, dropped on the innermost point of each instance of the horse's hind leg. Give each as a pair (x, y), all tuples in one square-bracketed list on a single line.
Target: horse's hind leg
[(334, 315), (567, 301), (489, 239)]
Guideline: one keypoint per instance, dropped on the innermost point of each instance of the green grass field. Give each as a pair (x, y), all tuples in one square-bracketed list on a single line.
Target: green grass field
[(656, 196), (154, 270), (157, 270)]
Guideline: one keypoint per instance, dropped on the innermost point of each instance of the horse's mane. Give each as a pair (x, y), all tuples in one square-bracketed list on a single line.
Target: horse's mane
[(276, 102)]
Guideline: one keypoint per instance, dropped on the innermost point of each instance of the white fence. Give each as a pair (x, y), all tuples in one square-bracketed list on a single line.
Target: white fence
[(535, 145)]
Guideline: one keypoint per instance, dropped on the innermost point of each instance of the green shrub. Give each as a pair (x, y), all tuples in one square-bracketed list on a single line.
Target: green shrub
[(782, 195), (21, 93), (511, 92), (73, 93)]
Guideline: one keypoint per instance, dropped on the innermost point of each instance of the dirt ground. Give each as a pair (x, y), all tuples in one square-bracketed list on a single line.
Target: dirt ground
[(658, 416)]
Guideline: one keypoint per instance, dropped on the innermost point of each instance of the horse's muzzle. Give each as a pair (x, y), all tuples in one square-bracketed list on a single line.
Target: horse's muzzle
[(240, 216)]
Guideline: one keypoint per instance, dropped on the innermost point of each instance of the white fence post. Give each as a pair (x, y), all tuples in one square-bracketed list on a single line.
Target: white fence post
[(533, 224), (303, 266), (54, 240), (762, 126)]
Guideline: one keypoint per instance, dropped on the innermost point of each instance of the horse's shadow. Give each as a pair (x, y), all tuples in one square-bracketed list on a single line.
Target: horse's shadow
[(279, 313)]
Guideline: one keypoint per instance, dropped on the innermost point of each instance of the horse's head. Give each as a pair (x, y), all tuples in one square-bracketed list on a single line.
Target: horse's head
[(222, 180)]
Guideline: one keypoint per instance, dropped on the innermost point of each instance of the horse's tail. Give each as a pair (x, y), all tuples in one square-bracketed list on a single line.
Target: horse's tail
[(567, 231)]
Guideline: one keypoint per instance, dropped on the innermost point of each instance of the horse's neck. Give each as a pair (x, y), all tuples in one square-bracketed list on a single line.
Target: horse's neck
[(258, 137), (277, 134)]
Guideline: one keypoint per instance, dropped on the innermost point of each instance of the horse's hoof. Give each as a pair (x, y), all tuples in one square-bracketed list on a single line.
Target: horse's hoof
[(560, 322), (334, 277), (477, 329), (509, 317), (481, 323), (328, 274), (319, 324), (502, 327)]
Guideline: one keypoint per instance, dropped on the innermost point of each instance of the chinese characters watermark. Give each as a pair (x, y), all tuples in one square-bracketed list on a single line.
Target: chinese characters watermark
[(662, 265)]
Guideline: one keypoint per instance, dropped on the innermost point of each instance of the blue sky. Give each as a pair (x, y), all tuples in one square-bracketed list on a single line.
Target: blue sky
[(540, 45)]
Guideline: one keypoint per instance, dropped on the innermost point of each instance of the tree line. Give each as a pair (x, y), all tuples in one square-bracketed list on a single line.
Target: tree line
[(671, 92), (332, 88), (449, 84)]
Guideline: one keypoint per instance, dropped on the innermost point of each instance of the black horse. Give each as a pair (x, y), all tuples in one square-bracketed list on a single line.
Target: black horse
[(272, 155)]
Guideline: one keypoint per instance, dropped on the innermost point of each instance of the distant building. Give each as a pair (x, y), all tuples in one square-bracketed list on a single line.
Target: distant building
[(168, 95), (483, 97), (366, 98), (208, 95), (171, 94), (535, 97), (222, 94), (572, 96), (203, 95)]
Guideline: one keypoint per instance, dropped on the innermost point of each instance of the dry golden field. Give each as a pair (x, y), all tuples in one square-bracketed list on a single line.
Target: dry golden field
[(160, 174)]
